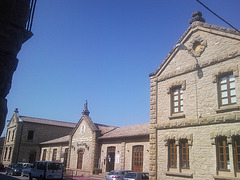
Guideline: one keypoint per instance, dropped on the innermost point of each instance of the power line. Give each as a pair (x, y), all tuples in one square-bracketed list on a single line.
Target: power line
[(217, 15)]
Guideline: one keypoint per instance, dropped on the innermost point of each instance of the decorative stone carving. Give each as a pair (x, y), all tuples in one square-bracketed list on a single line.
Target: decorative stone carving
[(177, 83), (197, 46), (233, 69)]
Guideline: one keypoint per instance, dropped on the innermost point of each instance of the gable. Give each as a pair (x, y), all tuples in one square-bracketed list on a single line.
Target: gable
[(83, 130), (217, 44)]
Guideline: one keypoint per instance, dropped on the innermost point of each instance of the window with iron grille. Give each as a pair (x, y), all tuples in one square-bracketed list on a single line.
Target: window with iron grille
[(184, 154), (172, 154), (227, 92), (223, 154), (177, 100)]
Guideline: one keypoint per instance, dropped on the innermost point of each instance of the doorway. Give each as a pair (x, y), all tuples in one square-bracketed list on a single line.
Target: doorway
[(110, 158), (137, 158)]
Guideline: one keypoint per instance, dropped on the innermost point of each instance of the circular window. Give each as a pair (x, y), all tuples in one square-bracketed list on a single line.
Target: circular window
[(196, 46)]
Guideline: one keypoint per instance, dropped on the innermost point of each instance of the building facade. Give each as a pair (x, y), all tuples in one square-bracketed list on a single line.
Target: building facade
[(24, 134), (96, 146), (195, 106)]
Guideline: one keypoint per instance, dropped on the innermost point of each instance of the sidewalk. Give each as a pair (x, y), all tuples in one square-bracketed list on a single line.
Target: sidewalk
[(82, 178)]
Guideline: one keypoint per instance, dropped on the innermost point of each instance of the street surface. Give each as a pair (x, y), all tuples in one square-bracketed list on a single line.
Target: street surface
[(3, 176)]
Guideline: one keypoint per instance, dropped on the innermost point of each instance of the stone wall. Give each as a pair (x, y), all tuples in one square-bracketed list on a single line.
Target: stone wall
[(202, 119)]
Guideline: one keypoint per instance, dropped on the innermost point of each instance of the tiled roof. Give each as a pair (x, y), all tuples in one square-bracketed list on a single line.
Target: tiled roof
[(128, 131), (47, 122), (104, 128), (62, 139)]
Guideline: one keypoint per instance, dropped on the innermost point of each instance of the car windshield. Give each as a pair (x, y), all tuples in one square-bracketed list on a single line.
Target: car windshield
[(17, 166), (113, 173), (54, 166), (130, 175)]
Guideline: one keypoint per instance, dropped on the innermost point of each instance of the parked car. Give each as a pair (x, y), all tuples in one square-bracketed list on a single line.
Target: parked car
[(26, 169), (116, 174), (14, 169), (46, 170), (136, 176), (1, 167)]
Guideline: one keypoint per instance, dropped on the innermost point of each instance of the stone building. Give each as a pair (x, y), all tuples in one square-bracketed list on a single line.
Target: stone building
[(24, 134), (194, 106), (91, 145)]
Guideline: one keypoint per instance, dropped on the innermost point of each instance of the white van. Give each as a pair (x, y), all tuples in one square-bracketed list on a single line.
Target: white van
[(46, 170)]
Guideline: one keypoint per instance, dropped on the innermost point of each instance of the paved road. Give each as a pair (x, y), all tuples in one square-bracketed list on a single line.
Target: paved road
[(3, 176)]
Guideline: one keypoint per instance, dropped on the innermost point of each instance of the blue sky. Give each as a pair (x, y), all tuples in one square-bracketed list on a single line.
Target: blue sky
[(101, 51)]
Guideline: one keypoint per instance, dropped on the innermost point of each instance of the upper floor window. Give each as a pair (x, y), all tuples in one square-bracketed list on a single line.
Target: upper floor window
[(223, 154), (172, 154), (177, 100), (227, 92), (30, 135), (13, 134), (184, 154), (9, 133), (236, 147)]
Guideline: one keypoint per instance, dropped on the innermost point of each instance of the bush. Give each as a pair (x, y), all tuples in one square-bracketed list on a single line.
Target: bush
[(97, 170)]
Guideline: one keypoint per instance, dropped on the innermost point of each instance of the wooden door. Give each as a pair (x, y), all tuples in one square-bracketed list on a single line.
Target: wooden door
[(80, 159), (137, 158), (110, 159)]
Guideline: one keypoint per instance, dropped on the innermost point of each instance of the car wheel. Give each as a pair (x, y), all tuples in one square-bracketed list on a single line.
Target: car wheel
[(29, 177)]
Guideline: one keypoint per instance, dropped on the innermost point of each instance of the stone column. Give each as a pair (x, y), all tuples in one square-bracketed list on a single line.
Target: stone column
[(153, 131)]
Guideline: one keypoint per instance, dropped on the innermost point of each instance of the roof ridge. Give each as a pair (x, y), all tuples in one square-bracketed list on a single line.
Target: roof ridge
[(46, 119)]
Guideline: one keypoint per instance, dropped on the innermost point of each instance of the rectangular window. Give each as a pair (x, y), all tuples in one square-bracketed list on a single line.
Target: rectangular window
[(177, 100), (5, 155), (65, 157), (10, 152), (30, 135), (13, 134), (184, 154), (44, 155), (9, 132), (236, 146), (172, 154), (54, 156), (227, 92), (223, 154)]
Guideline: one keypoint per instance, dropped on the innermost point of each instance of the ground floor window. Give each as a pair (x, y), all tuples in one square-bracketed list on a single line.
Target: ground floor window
[(32, 157), (223, 153), (80, 159), (172, 154), (54, 155), (44, 155), (137, 158), (236, 147), (184, 154)]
